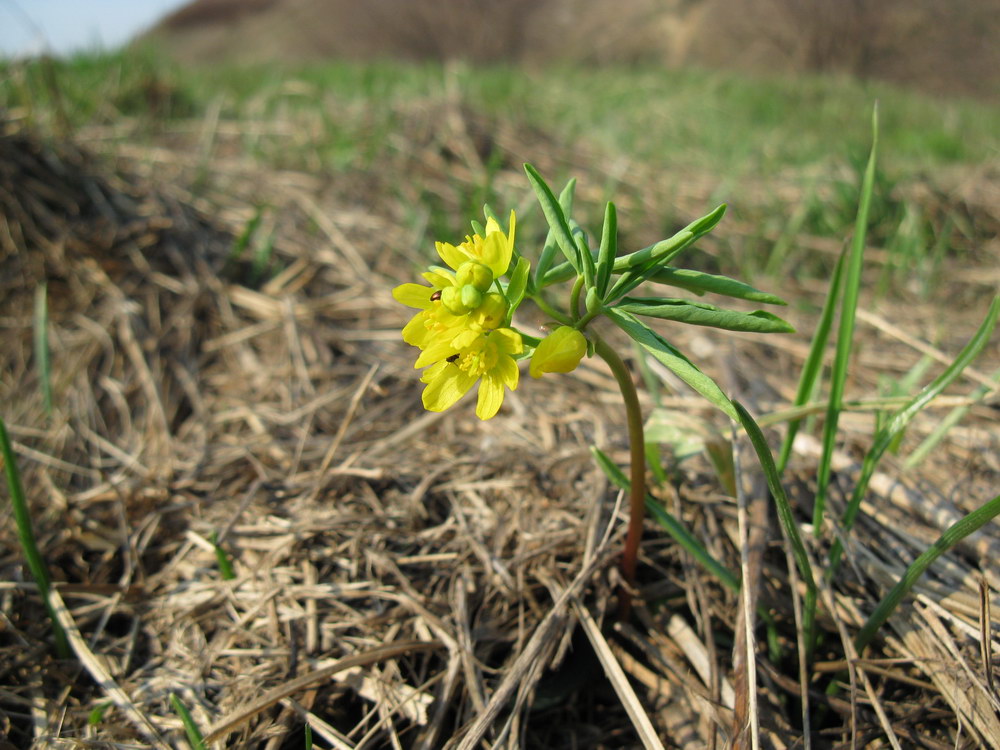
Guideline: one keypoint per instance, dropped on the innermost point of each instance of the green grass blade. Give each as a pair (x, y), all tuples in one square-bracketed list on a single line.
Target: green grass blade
[(222, 559), (194, 735), (42, 357), (702, 314), (26, 535), (954, 417), (608, 251), (787, 520), (845, 336), (955, 533), (899, 421), (663, 351), (813, 367), (555, 217)]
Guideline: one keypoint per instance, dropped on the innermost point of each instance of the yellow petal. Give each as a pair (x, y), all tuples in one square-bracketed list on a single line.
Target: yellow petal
[(415, 332), (490, 396), (508, 373), (451, 254), (439, 278), (433, 371), (447, 387), (496, 253), (436, 350), (413, 295), (508, 340)]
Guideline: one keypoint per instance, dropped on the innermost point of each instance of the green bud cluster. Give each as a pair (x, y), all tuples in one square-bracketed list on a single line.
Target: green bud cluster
[(472, 281)]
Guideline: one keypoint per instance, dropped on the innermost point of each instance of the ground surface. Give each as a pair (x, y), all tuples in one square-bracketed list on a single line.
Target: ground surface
[(407, 579)]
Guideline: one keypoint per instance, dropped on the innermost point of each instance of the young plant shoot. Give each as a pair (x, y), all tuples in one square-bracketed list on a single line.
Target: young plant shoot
[(466, 335)]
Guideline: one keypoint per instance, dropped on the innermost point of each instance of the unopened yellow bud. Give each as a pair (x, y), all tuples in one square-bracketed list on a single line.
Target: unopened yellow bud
[(560, 351)]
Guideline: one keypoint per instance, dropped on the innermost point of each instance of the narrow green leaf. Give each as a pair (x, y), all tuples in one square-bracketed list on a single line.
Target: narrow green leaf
[(699, 282), (26, 535), (554, 216), (586, 255), (698, 227), (42, 354), (665, 252), (955, 533), (636, 267), (899, 421), (702, 314), (608, 251), (549, 248), (845, 336), (813, 367), (681, 366), (787, 519), (195, 738)]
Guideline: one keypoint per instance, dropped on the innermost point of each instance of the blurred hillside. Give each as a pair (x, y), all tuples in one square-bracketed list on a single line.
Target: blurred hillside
[(946, 46)]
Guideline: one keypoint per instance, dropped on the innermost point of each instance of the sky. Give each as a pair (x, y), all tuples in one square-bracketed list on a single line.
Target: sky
[(65, 26)]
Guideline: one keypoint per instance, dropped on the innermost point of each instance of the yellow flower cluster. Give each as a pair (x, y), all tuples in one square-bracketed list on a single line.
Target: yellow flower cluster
[(459, 326)]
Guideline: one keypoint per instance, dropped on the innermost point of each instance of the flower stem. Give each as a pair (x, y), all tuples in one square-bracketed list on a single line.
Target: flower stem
[(637, 453)]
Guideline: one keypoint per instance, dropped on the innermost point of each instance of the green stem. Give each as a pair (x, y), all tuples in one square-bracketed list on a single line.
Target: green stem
[(549, 310), (637, 453)]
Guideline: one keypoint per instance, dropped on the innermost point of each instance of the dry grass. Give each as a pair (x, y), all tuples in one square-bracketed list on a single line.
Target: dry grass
[(408, 579)]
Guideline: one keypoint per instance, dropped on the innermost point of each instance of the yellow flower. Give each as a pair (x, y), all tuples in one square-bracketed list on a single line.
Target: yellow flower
[(471, 356), (560, 351), (477, 262), (494, 251)]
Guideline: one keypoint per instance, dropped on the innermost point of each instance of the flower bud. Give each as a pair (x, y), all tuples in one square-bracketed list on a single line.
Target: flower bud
[(560, 351), (471, 297), (451, 298), (475, 274)]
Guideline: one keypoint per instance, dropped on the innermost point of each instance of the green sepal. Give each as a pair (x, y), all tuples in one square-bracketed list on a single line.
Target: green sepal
[(489, 213), (665, 353), (703, 314), (478, 228), (698, 282), (608, 251), (554, 216)]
